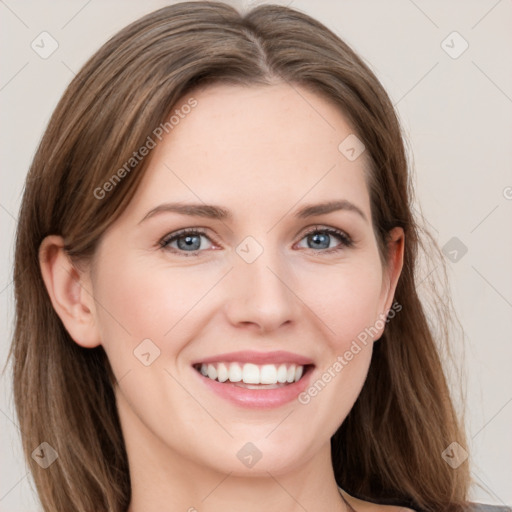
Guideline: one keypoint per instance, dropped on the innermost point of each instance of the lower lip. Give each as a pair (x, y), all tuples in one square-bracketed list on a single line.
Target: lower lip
[(257, 398)]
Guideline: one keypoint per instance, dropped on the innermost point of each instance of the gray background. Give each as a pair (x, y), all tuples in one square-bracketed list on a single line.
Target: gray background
[(456, 113)]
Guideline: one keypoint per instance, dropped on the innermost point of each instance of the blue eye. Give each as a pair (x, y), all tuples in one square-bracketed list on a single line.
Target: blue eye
[(189, 241), (321, 236)]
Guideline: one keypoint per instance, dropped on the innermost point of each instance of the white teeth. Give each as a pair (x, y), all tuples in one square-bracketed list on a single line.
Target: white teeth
[(222, 372), (212, 372), (268, 374), (235, 372), (290, 375), (281, 374), (250, 373)]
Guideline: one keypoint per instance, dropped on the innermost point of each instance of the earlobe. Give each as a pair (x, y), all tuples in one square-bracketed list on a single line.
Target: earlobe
[(69, 292)]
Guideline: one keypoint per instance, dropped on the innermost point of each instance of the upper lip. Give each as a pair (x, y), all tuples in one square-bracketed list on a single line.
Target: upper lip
[(250, 356)]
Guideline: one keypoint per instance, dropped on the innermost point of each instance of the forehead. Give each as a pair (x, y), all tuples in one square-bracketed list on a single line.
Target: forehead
[(247, 145), (255, 119)]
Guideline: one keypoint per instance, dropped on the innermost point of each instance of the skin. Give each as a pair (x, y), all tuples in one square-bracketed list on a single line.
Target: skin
[(261, 152)]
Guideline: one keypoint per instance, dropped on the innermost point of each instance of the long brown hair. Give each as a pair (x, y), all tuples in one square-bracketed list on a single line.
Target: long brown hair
[(388, 449)]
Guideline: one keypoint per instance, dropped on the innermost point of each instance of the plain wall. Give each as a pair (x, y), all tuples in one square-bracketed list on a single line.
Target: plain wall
[(457, 116)]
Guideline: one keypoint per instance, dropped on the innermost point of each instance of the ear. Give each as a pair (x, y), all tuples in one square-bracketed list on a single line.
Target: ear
[(391, 273), (70, 292)]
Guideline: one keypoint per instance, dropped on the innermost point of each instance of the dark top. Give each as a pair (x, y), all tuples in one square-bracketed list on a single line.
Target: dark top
[(480, 507), (473, 507)]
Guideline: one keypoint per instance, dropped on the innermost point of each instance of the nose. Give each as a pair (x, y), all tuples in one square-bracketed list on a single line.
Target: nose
[(261, 294)]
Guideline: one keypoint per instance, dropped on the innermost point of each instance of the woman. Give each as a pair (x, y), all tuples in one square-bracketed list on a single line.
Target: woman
[(266, 371)]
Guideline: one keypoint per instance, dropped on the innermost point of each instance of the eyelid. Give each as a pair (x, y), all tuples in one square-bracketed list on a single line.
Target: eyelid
[(346, 239), (169, 237)]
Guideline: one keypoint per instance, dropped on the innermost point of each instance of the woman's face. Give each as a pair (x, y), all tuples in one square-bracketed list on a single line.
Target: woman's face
[(259, 289)]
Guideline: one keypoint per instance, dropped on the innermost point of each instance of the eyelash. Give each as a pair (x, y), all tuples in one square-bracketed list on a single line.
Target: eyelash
[(345, 240)]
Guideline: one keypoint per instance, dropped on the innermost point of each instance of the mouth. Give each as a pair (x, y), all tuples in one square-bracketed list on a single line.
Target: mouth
[(254, 376), (254, 386)]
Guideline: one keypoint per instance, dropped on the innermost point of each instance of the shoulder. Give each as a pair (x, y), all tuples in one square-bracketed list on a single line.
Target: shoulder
[(368, 506)]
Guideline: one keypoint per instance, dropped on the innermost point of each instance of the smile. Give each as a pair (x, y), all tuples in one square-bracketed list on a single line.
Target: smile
[(259, 376), (254, 386)]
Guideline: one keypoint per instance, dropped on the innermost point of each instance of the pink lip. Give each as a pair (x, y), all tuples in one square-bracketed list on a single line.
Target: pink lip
[(258, 398), (249, 356)]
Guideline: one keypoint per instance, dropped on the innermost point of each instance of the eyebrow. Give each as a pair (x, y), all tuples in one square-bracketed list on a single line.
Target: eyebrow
[(219, 213)]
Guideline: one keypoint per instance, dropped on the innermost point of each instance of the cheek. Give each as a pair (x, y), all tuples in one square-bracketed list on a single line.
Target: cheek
[(144, 301), (346, 298), (345, 310), (128, 313), (138, 302)]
